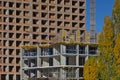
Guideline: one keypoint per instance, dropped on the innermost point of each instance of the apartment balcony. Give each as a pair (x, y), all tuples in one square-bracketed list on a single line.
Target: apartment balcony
[(46, 52), (82, 52), (82, 12), (52, 23), (52, 8), (93, 52), (70, 51), (44, 22), (30, 54), (75, 3), (44, 8), (67, 10), (60, 2)]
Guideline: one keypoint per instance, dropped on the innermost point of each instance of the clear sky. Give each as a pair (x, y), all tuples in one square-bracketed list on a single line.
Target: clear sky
[(103, 8)]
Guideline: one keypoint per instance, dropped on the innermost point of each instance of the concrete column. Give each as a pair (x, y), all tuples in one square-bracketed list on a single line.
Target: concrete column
[(14, 77), (62, 74), (21, 63), (87, 51), (7, 77), (77, 73), (63, 49), (77, 57), (62, 60), (38, 61), (38, 56)]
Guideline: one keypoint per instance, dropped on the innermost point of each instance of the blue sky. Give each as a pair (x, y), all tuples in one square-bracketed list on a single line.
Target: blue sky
[(103, 8)]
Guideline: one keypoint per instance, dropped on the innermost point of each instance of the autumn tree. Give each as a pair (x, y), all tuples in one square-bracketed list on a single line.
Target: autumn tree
[(91, 69), (116, 16), (109, 47), (117, 56), (106, 47)]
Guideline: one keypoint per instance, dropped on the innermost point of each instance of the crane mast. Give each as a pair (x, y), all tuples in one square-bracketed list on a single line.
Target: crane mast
[(92, 21)]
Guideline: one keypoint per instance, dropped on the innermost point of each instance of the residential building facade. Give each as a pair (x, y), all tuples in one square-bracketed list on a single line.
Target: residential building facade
[(31, 22)]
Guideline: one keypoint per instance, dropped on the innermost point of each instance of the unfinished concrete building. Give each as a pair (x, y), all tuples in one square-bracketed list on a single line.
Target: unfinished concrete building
[(60, 61), (26, 22)]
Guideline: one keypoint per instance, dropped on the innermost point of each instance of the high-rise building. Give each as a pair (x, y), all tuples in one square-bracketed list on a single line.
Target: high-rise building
[(29, 22)]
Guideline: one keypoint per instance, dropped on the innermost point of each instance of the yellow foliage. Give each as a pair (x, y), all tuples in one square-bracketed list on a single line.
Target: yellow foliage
[(29, 47), (117, 49), (91, 69)]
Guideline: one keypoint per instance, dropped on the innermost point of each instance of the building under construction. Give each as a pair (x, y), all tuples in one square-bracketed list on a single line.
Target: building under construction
[(31, 22), (63, 60), (60, 61)]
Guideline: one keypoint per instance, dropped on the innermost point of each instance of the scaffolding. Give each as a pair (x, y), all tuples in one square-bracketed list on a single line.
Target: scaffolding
[(92, 21)]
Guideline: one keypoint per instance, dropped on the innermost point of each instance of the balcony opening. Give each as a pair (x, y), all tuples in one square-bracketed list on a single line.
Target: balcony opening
[(59, 9), (44, 22), (11, 4), (11, 19), (74, 24), (50, 61), (81, 17), (18, 43), (18, 13), (74, 17), (81, 11), (81, 60), (46, 51), (18, 70), (18, 20), (11, 68), (17, 60), (11, 27), (59, 16), (92, 50), (81, 3), (18, 27), (43, 15), (18, 35), (59, 23), (18, 5), (81, 25), (74, 3), (81, 49), (43, 30), (17, 52), (80, 72), (35, 14), (74, 10), (59, 1), (11, 12), (11, 60), (71, 49), (11, 35), (35, 7), (11, 77), (44, 7)]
